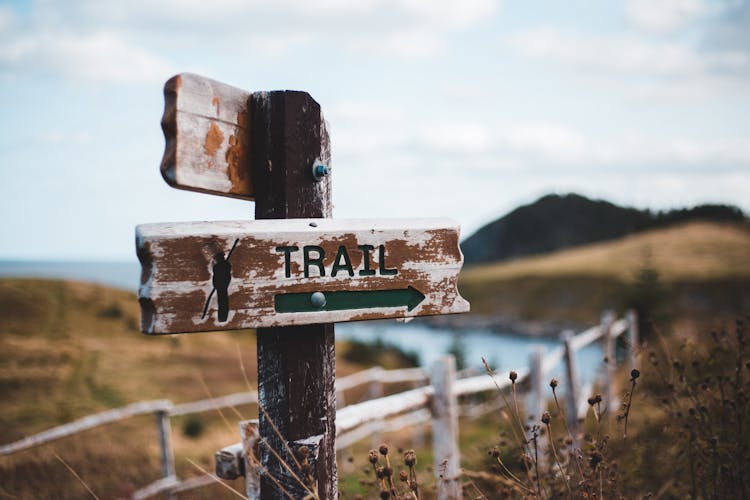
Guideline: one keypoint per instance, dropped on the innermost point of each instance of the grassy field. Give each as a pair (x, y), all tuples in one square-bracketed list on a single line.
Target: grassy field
[(702, 267), (692, 251), (70, 349)]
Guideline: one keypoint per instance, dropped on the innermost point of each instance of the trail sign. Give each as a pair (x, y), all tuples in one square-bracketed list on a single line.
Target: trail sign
[(293, 265), (201, 276)]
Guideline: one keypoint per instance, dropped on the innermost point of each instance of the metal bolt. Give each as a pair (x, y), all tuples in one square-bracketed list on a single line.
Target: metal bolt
[(319, 171), (318, 300)]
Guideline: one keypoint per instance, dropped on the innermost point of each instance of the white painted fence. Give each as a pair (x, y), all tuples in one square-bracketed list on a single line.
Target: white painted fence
[(434, 403)]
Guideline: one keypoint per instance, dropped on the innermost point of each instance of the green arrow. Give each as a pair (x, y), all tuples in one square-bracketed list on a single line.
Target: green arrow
[(409, 297)]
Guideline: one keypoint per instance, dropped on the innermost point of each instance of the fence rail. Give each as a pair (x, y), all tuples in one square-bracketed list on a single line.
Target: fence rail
[(357, 421)]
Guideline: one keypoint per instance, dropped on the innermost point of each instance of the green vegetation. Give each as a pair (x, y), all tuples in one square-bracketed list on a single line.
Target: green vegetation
[(556, 222), (698, 269), (679, 432), (71, 349), (378, 353)]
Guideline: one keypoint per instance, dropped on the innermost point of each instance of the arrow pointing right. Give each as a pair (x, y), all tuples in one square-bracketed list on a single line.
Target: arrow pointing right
[(340, 300)]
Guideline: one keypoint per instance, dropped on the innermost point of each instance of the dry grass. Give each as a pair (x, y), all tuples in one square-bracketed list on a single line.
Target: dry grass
[(693, 251), (71, 349)]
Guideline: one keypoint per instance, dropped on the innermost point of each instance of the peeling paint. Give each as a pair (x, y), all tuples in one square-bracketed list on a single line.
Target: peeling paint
[(213, 141), (176, 260)]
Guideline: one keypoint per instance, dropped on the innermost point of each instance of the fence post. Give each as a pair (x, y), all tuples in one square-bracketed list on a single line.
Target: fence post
[(571, 375), (417, 432), (250, 436), (165, 444), (535, 400), (633, 338), (608, 317), (375, 391), (445, 428)]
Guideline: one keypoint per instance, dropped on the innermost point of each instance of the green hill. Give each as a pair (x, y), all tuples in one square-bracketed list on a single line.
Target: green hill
[(70, 349), (700, 269), (557, 222)]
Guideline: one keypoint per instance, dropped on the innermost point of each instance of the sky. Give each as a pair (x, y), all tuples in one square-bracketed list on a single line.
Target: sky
[(436, 108)]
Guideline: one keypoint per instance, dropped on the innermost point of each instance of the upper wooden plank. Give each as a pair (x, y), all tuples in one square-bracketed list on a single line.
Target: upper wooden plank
[(206, 129), (275, 266)]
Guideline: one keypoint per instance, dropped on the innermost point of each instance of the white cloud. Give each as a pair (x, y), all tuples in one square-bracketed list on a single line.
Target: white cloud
[(660, 69), (129, 41), (98, 56), (558, 146), (449, 12), (7, 18), (664, 16), (73, 138)]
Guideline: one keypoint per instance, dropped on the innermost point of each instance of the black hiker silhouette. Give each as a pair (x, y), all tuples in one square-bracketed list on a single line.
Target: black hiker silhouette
[(221, 279), (222, 275)]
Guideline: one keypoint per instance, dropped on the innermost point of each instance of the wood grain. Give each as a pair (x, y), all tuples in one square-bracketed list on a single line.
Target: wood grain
[(206, 132), (297, 364), (177, 262)]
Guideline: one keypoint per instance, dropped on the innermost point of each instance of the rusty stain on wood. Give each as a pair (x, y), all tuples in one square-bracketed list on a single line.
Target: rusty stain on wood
[(289, 256), (237, 156), (206, 133), (213, 141)]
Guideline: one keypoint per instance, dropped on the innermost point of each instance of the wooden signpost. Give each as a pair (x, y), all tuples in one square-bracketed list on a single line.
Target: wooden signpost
[(296, 272), (290, 276)]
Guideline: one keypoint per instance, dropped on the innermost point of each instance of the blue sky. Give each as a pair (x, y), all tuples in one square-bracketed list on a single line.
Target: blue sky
[(462, 109)]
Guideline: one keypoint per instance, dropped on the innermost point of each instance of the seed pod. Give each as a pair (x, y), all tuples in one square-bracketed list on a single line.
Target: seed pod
[(410, 458)]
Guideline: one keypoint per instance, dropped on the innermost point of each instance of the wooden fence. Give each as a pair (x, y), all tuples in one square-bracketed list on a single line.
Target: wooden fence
[(436, 403)]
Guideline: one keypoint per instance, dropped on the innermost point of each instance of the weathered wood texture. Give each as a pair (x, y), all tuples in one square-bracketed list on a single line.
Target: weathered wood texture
[(250, 434), (571, 379), (444, 407), (297, 364), (87, 422), (633, 339), (610, 389), (164, 429), (412, 257), (205, 126)]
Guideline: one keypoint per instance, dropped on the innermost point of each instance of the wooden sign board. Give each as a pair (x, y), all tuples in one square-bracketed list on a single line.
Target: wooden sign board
[(204, 276), (206, 130)]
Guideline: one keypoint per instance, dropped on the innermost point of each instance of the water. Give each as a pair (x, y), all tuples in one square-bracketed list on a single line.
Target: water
[(125, 275), (501, 350)]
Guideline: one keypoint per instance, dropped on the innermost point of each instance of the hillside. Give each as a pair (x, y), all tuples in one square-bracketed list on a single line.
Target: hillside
[(701, 269), (557, 222), (70, 349)]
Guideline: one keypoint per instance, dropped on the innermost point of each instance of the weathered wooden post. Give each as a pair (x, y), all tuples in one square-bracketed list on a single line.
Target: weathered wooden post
[(571, 377), (249, 435), (375, 391), (296, 364), (633, 338), (445, 429), (537, 403), (536, 399), (165, 445), (291, 277), (610, 363)]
